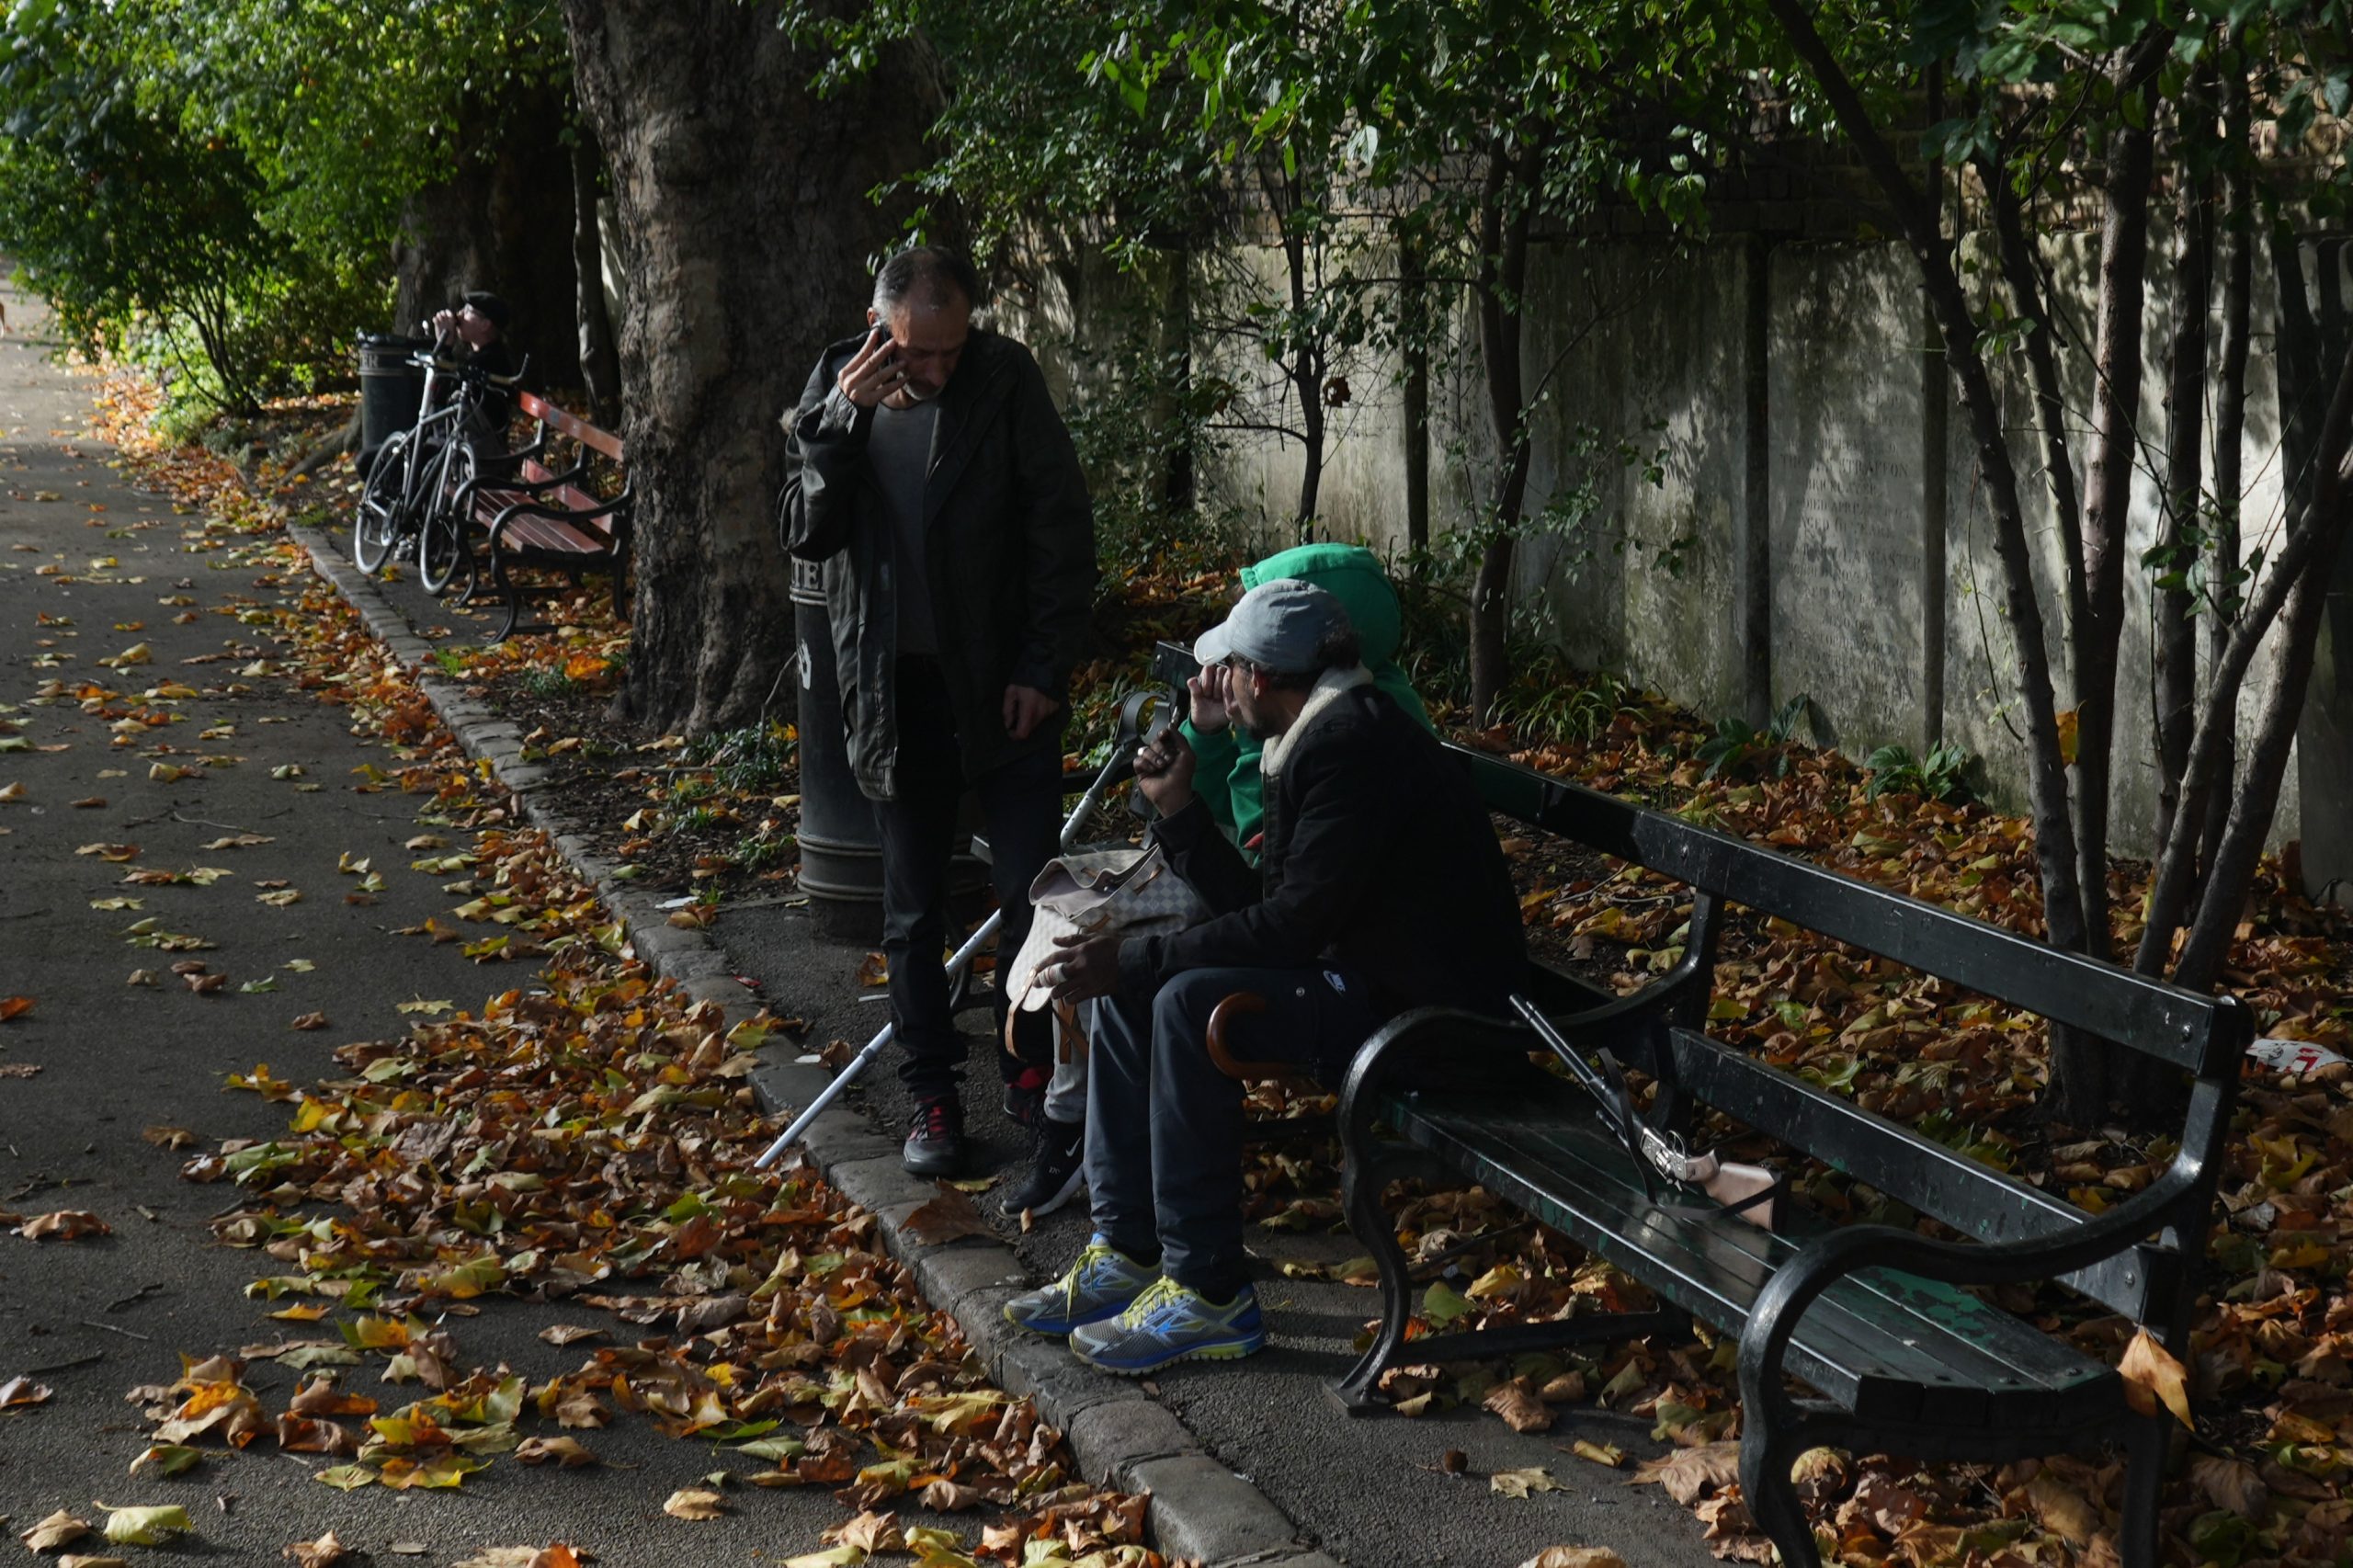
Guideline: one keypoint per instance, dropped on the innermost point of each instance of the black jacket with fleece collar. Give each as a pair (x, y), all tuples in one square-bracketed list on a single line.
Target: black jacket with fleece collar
[(1378, 858)]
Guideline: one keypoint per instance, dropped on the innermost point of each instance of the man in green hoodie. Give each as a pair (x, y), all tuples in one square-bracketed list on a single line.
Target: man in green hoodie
[(1226, 773), (1228, 779)]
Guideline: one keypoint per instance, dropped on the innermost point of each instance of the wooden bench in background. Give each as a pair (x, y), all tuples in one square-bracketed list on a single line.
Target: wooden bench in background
[(535, 516)]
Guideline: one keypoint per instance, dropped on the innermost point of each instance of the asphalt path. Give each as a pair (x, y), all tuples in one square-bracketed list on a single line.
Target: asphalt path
[(92, 1319)]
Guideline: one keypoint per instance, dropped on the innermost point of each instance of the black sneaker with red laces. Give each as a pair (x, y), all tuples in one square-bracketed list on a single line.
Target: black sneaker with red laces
[(935, 1145), (1025, 1097)]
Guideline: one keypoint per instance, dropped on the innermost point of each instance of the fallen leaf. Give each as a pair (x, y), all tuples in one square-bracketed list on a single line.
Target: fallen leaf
[(319, 1554), (2229, 1483), (689, 1503), (54, 1531), (169, 1458), (144, 1526), (568, 1452), (945, 1217), (20, 1391), (1688, 1473), (1608, 1454), (19, 1070), (2061, 1510), (15, 1007), (172, 1137), (570, 1332), (64, 1225), (870, 1532), (1521, 1483), (1575, 1557), (309, 1021), (2153, 1377), (1516, 1403)]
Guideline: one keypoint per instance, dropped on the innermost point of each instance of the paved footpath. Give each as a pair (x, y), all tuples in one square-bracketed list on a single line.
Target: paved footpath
[(93, 1318), (116, 1059)]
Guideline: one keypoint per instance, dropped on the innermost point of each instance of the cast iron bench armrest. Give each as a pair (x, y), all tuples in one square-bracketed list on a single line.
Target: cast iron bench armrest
[(1823, 1262)]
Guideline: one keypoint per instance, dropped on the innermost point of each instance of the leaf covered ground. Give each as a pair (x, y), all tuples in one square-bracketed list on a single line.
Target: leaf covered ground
[(770, 1304), (577, 1134)]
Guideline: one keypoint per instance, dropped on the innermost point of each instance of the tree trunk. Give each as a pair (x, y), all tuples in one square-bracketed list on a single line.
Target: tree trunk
[(1306, 366), (2078, 1083), (2315, 520), (1414, 352), (600, 368), (501, 221), (2233, 872), (2095, 639), (745, 195), (2175, 602), (2025, 280), (2230, 420), (1504, 217)]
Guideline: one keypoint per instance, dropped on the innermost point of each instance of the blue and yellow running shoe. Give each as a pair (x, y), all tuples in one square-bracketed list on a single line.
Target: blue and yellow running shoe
[(1169, 1324), (1100, 1285)]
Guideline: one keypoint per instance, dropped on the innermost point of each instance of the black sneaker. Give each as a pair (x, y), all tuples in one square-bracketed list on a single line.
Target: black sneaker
[(1056, 1172), (1025, 1097), (936, 1138)]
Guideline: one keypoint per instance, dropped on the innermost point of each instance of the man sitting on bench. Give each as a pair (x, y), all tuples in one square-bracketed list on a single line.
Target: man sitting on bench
[(1381, 888)]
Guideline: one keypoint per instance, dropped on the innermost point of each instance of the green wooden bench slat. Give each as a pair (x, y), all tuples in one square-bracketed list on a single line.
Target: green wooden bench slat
[(1942, 1182), (1886, 1345), (2163, 1020)]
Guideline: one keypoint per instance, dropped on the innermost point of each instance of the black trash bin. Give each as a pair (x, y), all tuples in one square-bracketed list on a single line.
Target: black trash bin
[(841, 851), (391, 390)]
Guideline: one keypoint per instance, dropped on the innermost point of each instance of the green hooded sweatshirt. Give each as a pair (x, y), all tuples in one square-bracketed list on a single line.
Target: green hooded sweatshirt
[(1226, 777)]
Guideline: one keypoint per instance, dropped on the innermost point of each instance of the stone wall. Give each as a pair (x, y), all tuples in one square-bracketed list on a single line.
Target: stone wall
[(1874, 545)]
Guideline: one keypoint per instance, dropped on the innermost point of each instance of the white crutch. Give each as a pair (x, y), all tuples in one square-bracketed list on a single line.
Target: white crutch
[(1134, 730)]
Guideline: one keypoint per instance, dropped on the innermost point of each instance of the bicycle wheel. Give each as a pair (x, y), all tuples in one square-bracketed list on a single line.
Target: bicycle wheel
[(376, 521), (443, 543)]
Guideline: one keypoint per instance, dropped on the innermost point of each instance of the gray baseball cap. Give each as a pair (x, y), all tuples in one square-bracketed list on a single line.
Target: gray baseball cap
[(1276, 626)]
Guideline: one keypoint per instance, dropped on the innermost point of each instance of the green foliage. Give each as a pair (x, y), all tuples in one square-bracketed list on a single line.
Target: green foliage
[(1549, 703), (1942, 775), (758, 759), (1738, 750)]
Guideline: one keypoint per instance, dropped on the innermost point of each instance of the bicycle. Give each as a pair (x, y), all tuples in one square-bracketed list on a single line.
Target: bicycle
[(425, 477)]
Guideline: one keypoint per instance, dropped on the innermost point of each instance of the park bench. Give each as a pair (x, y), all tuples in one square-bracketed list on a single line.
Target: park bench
[(1879, 1322), (535, 516)]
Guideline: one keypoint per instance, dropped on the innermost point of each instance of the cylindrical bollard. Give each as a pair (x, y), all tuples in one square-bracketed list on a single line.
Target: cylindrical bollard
[(841, 852), (391, 390)]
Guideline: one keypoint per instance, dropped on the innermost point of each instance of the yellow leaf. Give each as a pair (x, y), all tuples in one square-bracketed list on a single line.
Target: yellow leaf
[(2067, 726), (2152, 1376)]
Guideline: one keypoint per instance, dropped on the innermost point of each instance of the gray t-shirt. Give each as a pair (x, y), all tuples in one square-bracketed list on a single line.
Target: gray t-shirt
[(899, 449)]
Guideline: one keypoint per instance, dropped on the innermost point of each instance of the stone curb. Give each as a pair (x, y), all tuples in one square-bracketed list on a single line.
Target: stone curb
[(1120, 1436)]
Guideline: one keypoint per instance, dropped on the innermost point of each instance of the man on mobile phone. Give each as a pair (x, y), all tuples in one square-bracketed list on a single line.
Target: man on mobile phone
[(929, 471)]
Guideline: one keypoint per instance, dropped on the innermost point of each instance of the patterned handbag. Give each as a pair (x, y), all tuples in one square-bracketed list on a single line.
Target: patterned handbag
[(1132, 892)]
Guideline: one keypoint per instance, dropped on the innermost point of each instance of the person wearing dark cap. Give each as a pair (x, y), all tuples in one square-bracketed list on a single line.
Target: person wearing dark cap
[(1381, 888), (478, 328)]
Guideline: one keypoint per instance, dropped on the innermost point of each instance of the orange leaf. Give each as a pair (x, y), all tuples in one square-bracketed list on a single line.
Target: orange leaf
[(15, 1007)]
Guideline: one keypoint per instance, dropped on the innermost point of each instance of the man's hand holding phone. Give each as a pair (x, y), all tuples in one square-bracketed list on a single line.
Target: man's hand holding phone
[(874, 373)]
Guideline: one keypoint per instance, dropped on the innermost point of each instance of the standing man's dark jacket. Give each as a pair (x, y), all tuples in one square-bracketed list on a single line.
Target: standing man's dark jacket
[(1377, 859), (1009, 529)]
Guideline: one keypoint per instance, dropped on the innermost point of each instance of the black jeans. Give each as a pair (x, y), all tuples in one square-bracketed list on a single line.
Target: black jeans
[(1163, 1126), (1020, 810)]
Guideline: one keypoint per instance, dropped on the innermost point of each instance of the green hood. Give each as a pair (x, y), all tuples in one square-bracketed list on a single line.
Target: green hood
[(1351, 573)]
